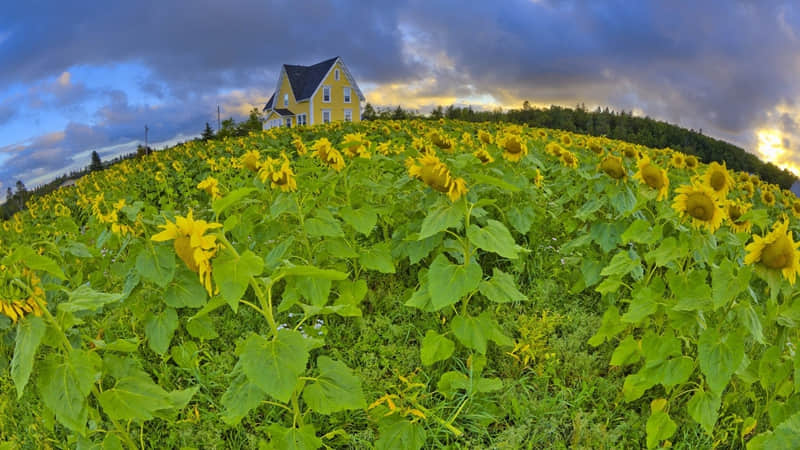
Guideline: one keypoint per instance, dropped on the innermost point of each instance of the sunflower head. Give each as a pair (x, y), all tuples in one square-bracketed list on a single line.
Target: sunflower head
[(595, 147), (299, 146), (514, 147), (692, 162), (484, 137), (440, 140), (355, 144), (553, 148), (211, 186), (541, 133), (701, 204), (768, 197), (630, 151), (613, 167), (776, 251), (565, 140), (23, 296), (678, 160), (743, 177), (250, 160), (718, 178), (748, 188), (736, 210), (652, 176), (433, 172), (483, 155), (568, 159), (279, 173), (796, 208)]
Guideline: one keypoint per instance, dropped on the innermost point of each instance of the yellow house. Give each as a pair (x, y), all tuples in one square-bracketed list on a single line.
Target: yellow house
[(308, 95)]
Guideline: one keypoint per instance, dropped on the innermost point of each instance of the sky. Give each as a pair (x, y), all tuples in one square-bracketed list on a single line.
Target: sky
[(88, 76)]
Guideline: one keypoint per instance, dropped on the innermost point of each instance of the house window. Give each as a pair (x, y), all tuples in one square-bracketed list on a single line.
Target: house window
[(326, 116), (347, 95), (348, 115), (336, 74), (285, 99), (289, 122), (301, 119), (326, 94)]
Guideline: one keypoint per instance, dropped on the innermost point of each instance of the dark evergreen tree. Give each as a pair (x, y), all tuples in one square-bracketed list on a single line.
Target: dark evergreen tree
[(368, 113), (208, 133), (97, 163)]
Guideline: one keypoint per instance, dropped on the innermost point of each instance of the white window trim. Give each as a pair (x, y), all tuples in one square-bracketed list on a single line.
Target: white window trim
[(330, 116), (348, 94), (346, 111), (330, 94), (286, 100), (336, 74), (304, 120)]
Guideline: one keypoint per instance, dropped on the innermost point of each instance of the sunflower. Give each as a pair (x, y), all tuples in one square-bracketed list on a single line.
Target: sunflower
[(299, 146), (433, 172), (653, 176), (568, 159), (250, 160), (777, 251), (755, 179), (554, 149), (538, 179), (613, 167), (541, 133), (484, 137), (701, 203), (768, 197), (678, 160), (21, 297), (595, 147), (718, 178), (747, 188), (483, 155), (355, 144), (441, 141), (195, 249), (743, 177), (565, 140), (514, 148), (327, 154), (736, 210), (630, 151), (211, 186), (796, 208), (692, 162), (279, 174)]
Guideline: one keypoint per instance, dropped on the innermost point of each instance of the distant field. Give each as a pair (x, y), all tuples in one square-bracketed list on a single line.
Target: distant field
[(400, 285)]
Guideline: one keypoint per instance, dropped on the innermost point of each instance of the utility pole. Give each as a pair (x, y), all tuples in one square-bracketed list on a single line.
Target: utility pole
[(219, 126)]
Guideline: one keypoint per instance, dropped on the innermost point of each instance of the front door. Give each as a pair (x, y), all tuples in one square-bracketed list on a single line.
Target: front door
[(288, 122)]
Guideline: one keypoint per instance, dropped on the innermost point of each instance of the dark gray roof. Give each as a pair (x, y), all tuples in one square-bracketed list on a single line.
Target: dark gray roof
[(305, 79), (269, 103), (284, 112)]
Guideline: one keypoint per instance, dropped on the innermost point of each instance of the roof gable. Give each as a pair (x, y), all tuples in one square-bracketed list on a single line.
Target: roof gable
[(304, 80)]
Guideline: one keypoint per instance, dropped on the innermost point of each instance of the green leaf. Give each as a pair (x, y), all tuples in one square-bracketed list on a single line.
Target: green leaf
[(87, 299), (378, 258), (587, 209), (36, 261), (704, 409), (786, 436), (159, 330), (30, 331), (242, 396), (666, 252), (313, 272), (274, 365), (156, 264), (323, 224), (274, 257), (521, 218), (64, 382), (620, 265), (607, 235), (232, 274), (494, 237), (185, 355), (610, 327), (416, 250), (659, 427), (362, 220), (475, 332), (129, 345), (692, 291), (448, 283), (481, 178), (751, 321), (401, 434), (185, 291), (727, 282), (315, 290), (201, 327), (78, 249), (351, 293), (335, 389), (221, 204), (301, 438), (501, 288), (451, 382), (627, 352), (134, 398), (440, 219), (645, 301), (719, 356), (636, 384), (435, 347), (642, 232)]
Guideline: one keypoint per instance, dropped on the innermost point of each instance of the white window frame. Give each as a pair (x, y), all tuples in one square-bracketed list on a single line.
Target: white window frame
[(326, 89), (288, 122), (326, 112), (286, 99), (336, 74), (301, 119), (347, 94), (348, 115)]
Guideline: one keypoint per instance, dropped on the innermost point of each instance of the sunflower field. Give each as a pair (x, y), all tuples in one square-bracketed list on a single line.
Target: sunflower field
[(403, 285)]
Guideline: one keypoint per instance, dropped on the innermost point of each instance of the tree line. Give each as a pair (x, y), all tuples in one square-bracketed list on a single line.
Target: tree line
[(621, 125)]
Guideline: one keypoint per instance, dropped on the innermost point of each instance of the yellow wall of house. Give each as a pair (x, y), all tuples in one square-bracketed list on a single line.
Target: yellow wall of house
[(294, 106), (337, 104)]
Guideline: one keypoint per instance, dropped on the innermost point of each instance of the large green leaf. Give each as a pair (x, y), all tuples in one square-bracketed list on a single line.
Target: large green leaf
[(475, 332), (440, 219), (641, 231), (691, 290), (400, 434), (645, 301), (185, 291), (610, 326), (786, 436), (64, 382), (435, 347), (378, 258), (627, 352), (156, 264), (242, 396), (323, 224), (275, 365), (704, 409), (221, 204), (335, 388), (159, 329), (137, 398), (232, 274), (727, 282), (362, 220), (302, 438), (30, 331), (719, 356), (501, 288), (666, 252), (521, 218), (36, 261), (620, 265), (448, 283), (494, 237), (659, 427), (85, 298)]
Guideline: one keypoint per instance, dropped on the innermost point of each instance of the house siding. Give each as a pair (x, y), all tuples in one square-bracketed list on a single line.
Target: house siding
[(337, 104)]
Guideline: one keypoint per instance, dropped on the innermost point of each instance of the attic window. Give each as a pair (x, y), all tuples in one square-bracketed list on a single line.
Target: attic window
[(285, 99), (326, 94), (336, 74)]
